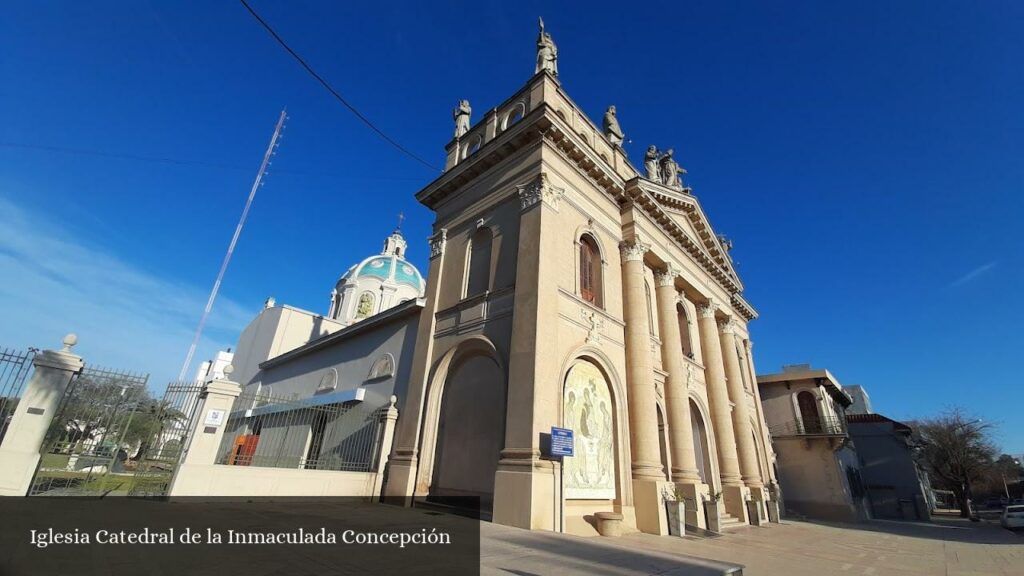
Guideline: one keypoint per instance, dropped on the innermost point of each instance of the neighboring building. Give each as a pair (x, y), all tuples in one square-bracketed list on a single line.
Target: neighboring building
[(896, 486), (861, 401), (817, 464), (374, 285), (565, 288), (213, 369)]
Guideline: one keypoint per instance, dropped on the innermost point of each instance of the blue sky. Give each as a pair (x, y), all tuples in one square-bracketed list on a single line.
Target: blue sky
[(866, 159)]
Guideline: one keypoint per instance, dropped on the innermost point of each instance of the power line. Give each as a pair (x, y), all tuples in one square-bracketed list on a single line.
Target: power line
[(333, 92)]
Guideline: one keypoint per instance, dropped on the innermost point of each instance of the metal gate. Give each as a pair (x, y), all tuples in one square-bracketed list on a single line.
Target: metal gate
[(103, 417), (175, 419), (15, 366)]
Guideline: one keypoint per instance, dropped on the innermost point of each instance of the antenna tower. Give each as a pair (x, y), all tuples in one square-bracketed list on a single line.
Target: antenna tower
[(271, 150)]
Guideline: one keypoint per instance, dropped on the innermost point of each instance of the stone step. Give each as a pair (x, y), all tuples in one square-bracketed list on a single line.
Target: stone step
[(726, 522)]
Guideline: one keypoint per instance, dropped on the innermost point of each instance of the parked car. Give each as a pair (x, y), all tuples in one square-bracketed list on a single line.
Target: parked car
[(996, 502), (1013, 517)]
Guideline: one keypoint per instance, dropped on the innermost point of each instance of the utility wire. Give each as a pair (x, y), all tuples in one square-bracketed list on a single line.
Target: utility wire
[(334, 92)]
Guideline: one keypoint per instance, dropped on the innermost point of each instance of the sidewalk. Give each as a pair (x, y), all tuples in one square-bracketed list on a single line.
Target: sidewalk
[(944, 547)]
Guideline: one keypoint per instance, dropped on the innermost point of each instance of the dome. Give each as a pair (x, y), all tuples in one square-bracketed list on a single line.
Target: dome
[(387, 267), (377, 283)]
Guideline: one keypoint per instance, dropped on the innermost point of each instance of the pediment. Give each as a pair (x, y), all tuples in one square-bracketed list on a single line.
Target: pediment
[(684, 211)]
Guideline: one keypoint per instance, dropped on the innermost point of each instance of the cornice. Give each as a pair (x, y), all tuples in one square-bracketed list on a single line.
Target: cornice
[(544, 125)]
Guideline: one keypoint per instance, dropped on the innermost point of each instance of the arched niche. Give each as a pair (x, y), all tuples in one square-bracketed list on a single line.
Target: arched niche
[(703, 442), (464, 422), (588, 408)]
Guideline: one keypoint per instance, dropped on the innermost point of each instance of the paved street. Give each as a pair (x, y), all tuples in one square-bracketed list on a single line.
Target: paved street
[(948, 546)]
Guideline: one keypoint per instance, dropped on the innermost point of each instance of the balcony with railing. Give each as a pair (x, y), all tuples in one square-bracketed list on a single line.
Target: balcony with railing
[(821, 426)]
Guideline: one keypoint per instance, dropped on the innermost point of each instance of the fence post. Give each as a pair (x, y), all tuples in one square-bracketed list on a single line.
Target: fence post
[(215, 403), (390, 417), (20, 452)]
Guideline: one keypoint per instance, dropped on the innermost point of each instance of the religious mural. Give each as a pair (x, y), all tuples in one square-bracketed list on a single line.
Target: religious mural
[(590, 474), (365, 307)]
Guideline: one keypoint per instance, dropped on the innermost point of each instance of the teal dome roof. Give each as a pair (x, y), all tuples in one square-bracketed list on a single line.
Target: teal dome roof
[(387, 267)]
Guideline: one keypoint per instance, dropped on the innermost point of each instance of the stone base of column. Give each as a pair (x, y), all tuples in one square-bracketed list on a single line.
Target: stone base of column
[(649, 504), (401, 486), (735, 499), (527, 495), (760, 495), (16, 471), (694, 494), (773, 511)]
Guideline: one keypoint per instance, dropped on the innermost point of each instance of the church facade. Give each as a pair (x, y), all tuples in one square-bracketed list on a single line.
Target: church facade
[(567, 289)]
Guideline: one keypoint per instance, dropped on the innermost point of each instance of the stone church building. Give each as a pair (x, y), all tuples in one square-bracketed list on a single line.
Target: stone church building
[(565, 288)]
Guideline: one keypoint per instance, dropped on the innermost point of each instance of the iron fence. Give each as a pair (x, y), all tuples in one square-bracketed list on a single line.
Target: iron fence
[(827, 426), (96, 425), (15, 366), (272, 432)]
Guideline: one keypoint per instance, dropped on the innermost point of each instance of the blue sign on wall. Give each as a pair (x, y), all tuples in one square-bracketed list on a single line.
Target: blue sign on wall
[(561, 441)]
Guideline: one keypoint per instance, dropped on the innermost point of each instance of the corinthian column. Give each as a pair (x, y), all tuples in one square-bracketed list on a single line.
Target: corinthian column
[(740, 411), (677, 399), (643, 422), (718, 395)]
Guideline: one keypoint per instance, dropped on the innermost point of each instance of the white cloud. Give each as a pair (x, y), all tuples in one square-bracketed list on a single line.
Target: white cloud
[(973, 274), (52, 283)]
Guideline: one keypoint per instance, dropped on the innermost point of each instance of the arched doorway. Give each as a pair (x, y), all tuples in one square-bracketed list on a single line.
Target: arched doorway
[(809, 412), (701, 448), (588, 410), (470, 431)]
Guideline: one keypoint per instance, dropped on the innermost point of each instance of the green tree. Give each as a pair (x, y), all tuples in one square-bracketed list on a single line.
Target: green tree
[(151, 419)]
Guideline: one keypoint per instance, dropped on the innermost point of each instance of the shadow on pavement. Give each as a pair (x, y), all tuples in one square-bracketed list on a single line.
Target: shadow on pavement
[(942, 527), (546, 553)]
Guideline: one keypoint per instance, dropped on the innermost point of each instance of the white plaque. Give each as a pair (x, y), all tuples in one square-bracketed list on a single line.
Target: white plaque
[(214, 418)]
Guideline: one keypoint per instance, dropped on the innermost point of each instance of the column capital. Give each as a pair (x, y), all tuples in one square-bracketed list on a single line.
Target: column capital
[(539, 190), (707, 309), (727, 325), (438, 242), (667, 275), (632, 250)]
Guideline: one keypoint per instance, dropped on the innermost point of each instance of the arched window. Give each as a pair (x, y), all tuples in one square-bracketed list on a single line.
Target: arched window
[(650, 308), (365, 307), (743, 368), (590, 271), (384, 367), (684, 330), (479, 262), (809, 412)]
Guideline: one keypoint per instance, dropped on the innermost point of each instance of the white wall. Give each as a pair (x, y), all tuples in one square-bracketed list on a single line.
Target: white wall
[(224, 480)]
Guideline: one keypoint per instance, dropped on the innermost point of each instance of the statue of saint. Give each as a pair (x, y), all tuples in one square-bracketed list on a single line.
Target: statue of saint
[(547, 52), (671, 171), (461, 116), (651, 163), (611, 128)]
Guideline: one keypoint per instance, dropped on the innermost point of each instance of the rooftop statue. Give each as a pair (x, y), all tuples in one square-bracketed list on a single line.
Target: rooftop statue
[(671, 171), (547, 52), (651, 163), (611, 128), (461, 115)]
